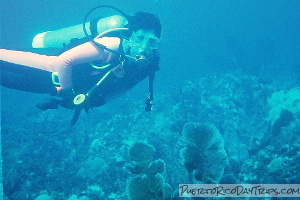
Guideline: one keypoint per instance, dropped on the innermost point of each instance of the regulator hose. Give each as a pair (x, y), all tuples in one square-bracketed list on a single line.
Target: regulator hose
[(90, 37)]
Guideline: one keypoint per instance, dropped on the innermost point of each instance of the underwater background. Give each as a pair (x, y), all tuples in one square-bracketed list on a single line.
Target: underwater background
[(226, 107)]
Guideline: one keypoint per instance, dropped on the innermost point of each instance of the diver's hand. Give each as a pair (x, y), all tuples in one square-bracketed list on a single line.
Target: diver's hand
[(67, 95)]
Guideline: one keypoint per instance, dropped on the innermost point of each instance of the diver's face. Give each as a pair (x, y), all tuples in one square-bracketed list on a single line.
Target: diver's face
[(143, 43)]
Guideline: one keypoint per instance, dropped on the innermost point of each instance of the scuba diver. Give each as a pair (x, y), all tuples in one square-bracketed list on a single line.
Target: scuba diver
[(88, 74)]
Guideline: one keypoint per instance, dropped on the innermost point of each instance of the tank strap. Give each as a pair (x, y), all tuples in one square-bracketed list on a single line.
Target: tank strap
[(93, 26)]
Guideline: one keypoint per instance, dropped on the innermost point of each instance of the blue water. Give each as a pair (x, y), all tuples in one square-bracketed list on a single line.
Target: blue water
[(232, 64)]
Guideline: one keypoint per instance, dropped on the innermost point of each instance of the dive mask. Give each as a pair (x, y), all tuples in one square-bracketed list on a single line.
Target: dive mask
[(144, 39)]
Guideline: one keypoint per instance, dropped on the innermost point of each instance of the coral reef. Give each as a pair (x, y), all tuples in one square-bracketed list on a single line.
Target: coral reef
[(44, 197), (203, 152), (278, 162), (141, 152), (148, 181), (283, 100), (92, 168), (255, 122)]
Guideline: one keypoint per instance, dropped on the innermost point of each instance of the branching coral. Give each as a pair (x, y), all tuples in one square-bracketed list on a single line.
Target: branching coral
[(203, 152), (148, 181), (141, 152)]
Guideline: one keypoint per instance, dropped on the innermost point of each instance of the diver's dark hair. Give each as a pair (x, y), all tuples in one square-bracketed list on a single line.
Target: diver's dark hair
[(145, 21)]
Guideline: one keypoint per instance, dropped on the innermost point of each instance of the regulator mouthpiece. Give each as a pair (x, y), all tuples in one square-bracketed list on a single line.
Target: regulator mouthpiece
[(141, 61)]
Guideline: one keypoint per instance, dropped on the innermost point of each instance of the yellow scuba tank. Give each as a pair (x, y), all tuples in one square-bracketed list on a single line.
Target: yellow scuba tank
[(62, 37)]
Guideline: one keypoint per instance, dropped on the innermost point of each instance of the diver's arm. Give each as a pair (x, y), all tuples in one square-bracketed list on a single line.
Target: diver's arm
[(63, 63), (84, 53), (29, 59)]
